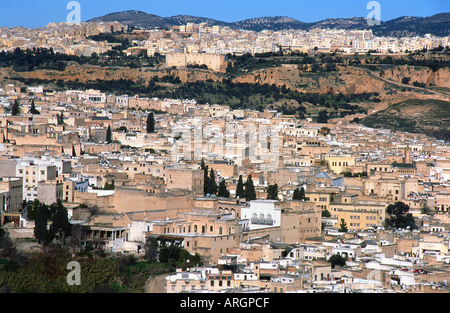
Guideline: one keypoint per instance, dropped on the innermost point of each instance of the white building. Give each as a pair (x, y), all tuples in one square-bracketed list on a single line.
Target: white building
[(262, 214)]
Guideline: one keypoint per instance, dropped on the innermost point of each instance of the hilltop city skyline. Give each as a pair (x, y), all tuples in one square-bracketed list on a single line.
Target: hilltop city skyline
[(39, 14)]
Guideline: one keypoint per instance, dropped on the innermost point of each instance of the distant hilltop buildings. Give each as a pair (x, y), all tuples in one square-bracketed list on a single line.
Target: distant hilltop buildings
[(209, 40)]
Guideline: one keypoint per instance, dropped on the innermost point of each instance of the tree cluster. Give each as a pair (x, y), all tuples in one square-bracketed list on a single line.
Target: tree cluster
[(272, 192), (398, 216), (299, 194), (50, 221)]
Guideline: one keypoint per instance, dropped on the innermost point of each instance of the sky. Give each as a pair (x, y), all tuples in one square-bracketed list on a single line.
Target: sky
[(38, 13)]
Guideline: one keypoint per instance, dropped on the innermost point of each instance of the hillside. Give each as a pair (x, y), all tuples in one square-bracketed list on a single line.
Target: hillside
[(438, 24), (134, 18), (411, 94), (271, 23), (414, 115)]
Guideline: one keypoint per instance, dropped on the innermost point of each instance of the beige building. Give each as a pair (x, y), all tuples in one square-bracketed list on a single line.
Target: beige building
[(215, 62), (203, 232), (390, 188), (10, 199), (185, 178), (156, 205), (359, 214), (339, 164)]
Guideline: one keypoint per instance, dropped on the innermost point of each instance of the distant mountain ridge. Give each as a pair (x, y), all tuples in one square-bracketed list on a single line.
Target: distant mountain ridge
[(438, 24)]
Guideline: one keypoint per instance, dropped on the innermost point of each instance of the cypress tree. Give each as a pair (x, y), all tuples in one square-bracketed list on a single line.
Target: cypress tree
[(295, 196), (223, 192), (250, 193), (240, 192), (212, 185), (15, 109), (33, 108), (60, 119), (204, 167), (109, 134), (299, 194), (272, 192), (150, 123)]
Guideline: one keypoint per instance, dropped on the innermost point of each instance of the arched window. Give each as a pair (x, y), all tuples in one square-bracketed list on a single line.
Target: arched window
[(211, 229), (220, 209), (226, 211), (233, 213), (195, 228), (220, 230), (203, 229), (261, 219), (269, 219), (254, 219)]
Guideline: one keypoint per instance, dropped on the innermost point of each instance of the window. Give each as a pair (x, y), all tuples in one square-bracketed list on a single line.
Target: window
[(261, 219)]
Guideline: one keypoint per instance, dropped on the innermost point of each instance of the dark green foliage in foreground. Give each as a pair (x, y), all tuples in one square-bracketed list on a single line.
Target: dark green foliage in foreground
[(47, 273), (398, 216), (336, 260)]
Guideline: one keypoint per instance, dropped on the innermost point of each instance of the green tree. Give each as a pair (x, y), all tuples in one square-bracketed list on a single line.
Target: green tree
[(41, 230), (60, 221), (337, 260), (110, 186), (108, 134), (406, 80), (343, 226), (240, 192), (250, 193), (212, 184), (60, 119), (326, 213), (272, 192), (299, 194), (425, 209), (398, 216), (323, 117), (32, 209), (7, 248), (223, 191), (15, 109), (205, 169), (150, 123), (33, 108), (151, 250)]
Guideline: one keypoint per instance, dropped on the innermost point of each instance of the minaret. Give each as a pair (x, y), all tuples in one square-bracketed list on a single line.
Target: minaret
[(6, 132), (407, 155)]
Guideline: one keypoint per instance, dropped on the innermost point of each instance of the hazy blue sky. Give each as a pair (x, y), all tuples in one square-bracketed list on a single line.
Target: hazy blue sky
[(38, 13)]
